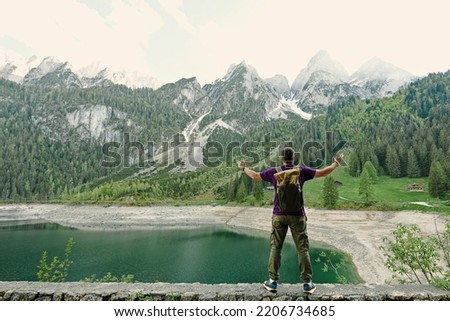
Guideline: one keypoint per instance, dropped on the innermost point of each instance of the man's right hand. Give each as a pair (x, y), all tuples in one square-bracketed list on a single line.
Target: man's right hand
[(339, 159)]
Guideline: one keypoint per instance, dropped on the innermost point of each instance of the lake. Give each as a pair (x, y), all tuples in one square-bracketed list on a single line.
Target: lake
[(214, 254)]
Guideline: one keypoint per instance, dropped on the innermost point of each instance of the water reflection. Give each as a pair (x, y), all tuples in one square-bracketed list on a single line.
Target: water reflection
[(32, 225)]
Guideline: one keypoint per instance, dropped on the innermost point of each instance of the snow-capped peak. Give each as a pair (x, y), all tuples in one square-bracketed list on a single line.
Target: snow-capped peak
[(233, 69), (64, 76), (280, 84), (14, 67), (31, 70), (376, 68), (377, 77), (91, 70), (320, 62), (245, 74), (129, 79), (49, 64)]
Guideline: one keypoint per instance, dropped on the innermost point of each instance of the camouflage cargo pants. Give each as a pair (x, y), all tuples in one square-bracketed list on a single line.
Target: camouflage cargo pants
[(297, 225)]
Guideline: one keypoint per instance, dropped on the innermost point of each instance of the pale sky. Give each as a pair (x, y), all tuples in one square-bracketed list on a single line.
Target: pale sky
[(172, 39)]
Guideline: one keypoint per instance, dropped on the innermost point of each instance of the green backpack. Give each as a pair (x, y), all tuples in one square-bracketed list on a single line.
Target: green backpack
[(289, 190)]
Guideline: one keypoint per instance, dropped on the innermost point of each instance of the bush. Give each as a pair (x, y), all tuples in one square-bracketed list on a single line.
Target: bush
[(109, 277), (57, 270), (330, 193), (418, 258)]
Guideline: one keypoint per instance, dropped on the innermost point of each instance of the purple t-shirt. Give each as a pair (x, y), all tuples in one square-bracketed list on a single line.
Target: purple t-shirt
[(306, 174)]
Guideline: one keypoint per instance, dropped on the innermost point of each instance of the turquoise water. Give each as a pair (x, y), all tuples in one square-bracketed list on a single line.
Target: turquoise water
[(206, 255)]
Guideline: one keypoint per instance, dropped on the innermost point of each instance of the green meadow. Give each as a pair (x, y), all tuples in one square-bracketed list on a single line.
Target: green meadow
[(389, 194)]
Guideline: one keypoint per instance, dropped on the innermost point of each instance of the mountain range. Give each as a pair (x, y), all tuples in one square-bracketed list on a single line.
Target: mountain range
[(50, 72), (234, 105), (60, 125), (320, 83)]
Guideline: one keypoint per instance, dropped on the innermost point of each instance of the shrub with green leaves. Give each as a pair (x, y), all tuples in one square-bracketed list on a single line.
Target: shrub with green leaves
[(330, 194), (58, 269), (109, 277), (415, 257)]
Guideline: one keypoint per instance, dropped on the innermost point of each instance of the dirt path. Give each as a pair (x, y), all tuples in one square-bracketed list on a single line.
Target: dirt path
[(358, 233)]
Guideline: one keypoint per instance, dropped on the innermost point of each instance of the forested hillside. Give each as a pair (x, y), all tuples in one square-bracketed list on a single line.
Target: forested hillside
[(401, 135), (42, 158), (406, 135)]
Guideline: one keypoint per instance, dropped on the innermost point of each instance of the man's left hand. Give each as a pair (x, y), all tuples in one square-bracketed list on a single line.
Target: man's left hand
[(241, 164)]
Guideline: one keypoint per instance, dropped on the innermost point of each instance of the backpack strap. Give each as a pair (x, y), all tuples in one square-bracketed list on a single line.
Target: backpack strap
[(279, 170)]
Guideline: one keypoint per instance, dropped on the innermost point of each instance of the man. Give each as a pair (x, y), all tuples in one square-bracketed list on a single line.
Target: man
[(296, 220)]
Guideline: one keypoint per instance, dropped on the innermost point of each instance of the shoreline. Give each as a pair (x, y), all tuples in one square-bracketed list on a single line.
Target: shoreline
[(356, 233)]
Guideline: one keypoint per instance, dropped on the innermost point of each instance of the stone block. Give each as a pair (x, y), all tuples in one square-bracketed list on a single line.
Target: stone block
[(189, 296), (120, 296), (91, 297), (23, 296), (57, 296), (207, 296), (70, 296)]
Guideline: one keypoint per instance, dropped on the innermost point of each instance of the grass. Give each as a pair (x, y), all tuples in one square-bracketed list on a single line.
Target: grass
[(389, 193)]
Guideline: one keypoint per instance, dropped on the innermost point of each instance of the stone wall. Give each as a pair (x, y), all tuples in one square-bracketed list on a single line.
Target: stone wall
[(77, 291)]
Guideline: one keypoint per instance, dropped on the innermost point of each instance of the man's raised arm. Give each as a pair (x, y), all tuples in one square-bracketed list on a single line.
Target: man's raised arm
[(327, 170), (250, 173)]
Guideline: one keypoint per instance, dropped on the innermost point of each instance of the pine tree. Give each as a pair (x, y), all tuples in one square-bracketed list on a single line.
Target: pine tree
[(424, 159), (27, 190), (258, 190), (393, 163), (330, 193), (232, 188), (370, 168), (437, 180), (412, 168), (403, 158), (366, 187), (370, 155), (241, 192), (354, 168)]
